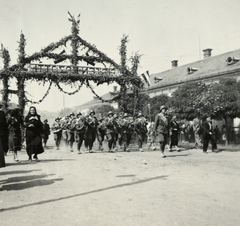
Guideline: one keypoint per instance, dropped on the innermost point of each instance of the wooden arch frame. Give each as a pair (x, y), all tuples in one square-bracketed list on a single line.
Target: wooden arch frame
[(24, 70)]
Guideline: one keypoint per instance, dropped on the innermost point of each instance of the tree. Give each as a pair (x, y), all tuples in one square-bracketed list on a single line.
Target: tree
[(139, 105), (156, 102), (222, 100), (188, 101), (103, 109), (65, 111)]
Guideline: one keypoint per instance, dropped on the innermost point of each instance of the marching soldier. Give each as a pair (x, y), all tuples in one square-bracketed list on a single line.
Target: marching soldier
[(71, 130), (127, 130), (46, 132), (151, 136), (111, 131), (57, 132), (140, 126), (64, 123), (80, 130), (91, 130), (101, 132), (118, 132)]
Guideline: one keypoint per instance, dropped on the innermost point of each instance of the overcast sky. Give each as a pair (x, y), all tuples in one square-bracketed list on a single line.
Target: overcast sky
[(159, 30)]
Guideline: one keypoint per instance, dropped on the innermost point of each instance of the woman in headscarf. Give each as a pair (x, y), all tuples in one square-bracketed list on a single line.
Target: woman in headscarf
[(14, 122), (34, 128)]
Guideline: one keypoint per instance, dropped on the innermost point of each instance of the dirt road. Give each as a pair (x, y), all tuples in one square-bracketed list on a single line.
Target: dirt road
[(113, 189)]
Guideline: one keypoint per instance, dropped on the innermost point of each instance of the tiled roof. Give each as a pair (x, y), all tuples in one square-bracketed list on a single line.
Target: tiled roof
[(207, 67), (96, 101)]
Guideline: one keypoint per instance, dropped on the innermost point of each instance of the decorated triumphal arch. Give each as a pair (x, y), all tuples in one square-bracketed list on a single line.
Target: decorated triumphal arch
[(87, 65)]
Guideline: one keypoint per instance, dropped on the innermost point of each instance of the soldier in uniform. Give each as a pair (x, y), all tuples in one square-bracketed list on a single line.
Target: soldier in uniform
[(111, 131), (101, 132), (80, 130), (151, 136), (140, 126), (161, 128), (71, 130), (46, 132), (91, 130), (127, 130), (118, 132), (64, 123), (57, 132)]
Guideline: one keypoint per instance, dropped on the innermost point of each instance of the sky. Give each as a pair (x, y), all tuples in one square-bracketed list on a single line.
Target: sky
[(159, 30)]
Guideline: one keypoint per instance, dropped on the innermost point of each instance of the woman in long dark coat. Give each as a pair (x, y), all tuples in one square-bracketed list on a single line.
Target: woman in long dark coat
[(34, 128), (14, 122), (3, 137)]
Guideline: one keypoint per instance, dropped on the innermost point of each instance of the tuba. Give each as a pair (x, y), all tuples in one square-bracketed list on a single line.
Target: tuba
[(56, 128), (80, 123), (71, 125)]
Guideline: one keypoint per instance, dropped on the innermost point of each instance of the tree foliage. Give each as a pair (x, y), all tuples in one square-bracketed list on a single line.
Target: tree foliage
[(188, 100), (103, 109), (156, 102)]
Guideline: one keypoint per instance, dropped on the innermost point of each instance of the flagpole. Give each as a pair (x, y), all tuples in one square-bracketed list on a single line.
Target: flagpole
[(63, 101)]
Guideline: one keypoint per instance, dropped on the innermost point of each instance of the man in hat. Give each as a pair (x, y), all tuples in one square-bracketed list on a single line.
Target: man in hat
[(140, 126), (101, 131), (91, 130), (174, 134), (161, 128), (80, 131), (64, 124), (111, 131), (127, 130), (46, 132), (207, 135), (71, 130), (57, 132)]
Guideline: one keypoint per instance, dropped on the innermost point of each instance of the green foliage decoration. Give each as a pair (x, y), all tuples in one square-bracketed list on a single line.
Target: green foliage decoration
[(22, 74)]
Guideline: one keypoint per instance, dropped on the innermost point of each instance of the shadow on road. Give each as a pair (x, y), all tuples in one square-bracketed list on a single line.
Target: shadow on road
[(80, 194), (29, 184), (17, 172), (179, 155)]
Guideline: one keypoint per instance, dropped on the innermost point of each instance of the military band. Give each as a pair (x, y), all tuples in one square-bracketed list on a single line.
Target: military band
[(113, 129)]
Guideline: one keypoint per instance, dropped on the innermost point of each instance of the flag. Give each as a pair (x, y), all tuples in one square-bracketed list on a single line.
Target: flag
[(146, 78)]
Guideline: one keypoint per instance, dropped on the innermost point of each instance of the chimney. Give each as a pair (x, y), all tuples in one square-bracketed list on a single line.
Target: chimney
[(114, 89), (174, 63), (207, 53)]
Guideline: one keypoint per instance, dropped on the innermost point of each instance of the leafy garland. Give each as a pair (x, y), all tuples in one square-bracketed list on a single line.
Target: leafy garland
[(70, 93), (114, 99), (44, 96)]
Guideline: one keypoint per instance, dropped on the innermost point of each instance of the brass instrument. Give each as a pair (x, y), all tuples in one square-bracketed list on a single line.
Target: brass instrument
[(80, 123), (57, 127), (70, 126), (91, 121)]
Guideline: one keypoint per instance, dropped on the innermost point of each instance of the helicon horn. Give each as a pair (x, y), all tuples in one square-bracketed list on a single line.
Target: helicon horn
[(157, 79), (191, 69), (232, 60)]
